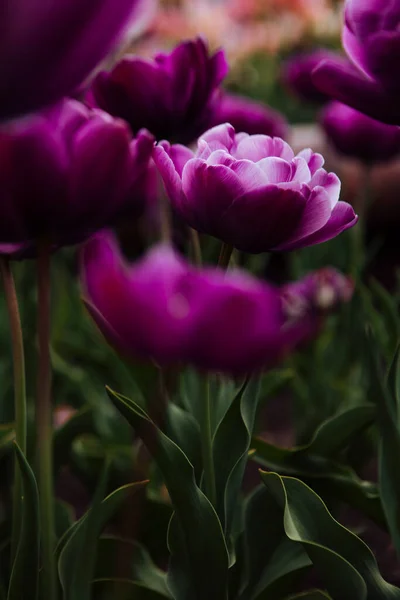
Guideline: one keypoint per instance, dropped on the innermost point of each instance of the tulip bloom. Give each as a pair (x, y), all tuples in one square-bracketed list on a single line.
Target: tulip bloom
[(371, 38), (296, 74), (170, 96), (248, 116), (252, 191), (67, 172), (163, 309), (48, 48), (308, 301), (354, 134)]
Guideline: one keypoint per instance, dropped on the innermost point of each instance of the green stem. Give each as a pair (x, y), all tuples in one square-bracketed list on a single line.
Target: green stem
[(44, 427), (206, 443), (225, 255), (17, 344), (196, 247)]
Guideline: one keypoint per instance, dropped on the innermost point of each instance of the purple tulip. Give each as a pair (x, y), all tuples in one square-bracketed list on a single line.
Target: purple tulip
[(308, 301), (252, 191), (296, 74), (354, 134), (48, 48), (248, 116), (170, 96), (67, 172), (163, 309), (371, 38)]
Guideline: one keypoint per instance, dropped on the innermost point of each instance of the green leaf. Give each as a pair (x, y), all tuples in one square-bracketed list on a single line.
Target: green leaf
[(77, 559), (388, 307), (393, 384), (123, 589), (230, 448), (7, 436), (271, 560), (196, 521), (25, 571), (125, 558), (345, 563), (73, 540), (335, 434), (311, 595), (64, 516), (313, 461), (389, 445), (183, 429)]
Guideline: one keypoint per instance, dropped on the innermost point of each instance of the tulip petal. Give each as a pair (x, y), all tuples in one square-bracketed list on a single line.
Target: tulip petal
[(257, 147), (259, 220), (342, 218), (347, 85), (169, 174), (316, 214), (208, 192)]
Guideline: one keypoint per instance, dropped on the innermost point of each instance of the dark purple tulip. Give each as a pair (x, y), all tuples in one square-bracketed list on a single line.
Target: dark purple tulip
[(296, 74), (164, 309), (170, 96), (47, 48), (248, 116), (252, 191), (354, 134), (67, 172), (371, 37)]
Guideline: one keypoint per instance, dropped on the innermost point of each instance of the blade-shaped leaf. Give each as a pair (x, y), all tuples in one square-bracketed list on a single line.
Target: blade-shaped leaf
[(389, 446), (123, 589), (312, 461), (25, 571), (345, 563), (270, 557), (73, 540), (234, 433), (197, 521), (311, 595), (117, 557)]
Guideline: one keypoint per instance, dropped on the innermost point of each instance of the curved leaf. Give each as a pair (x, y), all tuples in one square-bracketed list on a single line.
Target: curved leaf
[(313, 461), (25, 571), (205, 553), (347, 565), (234, 432), (77, 549), (389, 442), (123, 589), (311, 595), (125, 558), (271, 560)]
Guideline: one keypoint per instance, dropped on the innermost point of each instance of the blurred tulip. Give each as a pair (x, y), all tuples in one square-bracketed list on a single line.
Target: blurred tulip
[(296, 74), (356, 135), (252, 192), (248, 116), (48, 48), (371, 38), (170, 96), (163, 309), (66, 172)]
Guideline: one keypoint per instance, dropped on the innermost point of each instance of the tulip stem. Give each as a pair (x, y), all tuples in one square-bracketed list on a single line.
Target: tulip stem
[(44, 426), (206, 443), (17, 345), (225, 255), (196, 247)]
